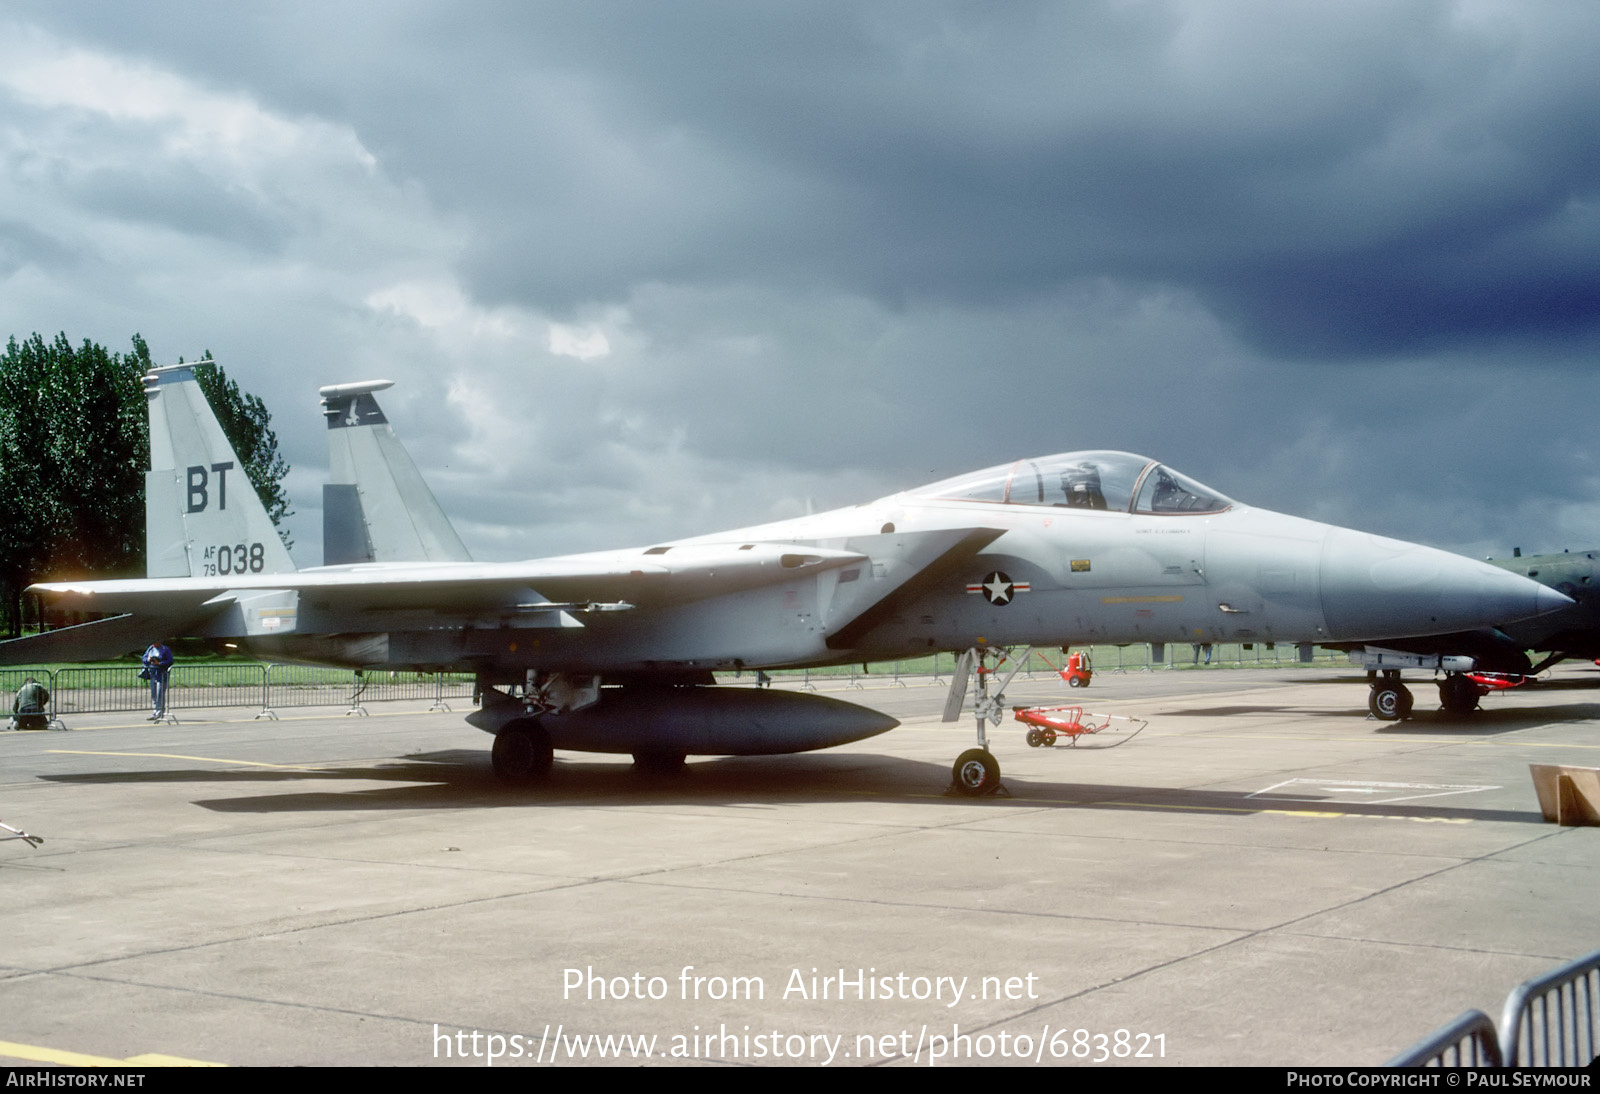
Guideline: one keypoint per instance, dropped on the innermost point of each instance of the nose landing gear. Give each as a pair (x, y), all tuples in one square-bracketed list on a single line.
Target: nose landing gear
[(976, 772)]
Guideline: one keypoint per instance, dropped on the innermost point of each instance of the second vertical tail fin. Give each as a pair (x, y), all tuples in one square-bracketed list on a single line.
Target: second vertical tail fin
[(377, 508)]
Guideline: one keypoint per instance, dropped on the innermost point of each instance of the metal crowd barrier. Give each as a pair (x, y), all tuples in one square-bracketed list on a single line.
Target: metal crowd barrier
[(11, 681), (1106, 658), (1469, 1041), (1551, 1021), (103, 689)]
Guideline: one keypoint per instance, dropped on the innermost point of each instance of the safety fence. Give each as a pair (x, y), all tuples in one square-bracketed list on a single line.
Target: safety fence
[(1550, 1021), (1469, 1041), (107, 689), (1139, 658)]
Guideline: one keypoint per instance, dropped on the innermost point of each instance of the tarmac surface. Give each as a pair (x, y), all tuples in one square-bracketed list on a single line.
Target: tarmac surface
[(1264, 875)]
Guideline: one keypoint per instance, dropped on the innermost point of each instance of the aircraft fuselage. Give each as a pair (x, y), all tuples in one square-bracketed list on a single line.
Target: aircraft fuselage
[(1047, 576)]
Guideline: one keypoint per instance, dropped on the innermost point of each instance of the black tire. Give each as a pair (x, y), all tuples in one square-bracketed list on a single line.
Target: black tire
[(659, 763), (522, 752), (1074, 682), (1035, 738), (1458, 695), (1388, 701), (1048, 736), (975, 773)]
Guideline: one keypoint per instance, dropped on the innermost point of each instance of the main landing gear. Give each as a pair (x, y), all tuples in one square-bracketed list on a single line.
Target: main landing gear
[(1459, 695), (522, 752), (1389, 700), (1460, 688)]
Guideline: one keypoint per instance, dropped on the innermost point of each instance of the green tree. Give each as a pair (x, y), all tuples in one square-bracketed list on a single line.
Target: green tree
[(73, 450), (244, 418), (74, 446)]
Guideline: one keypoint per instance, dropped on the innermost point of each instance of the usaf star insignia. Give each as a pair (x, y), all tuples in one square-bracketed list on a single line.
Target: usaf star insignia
[(998, 588)]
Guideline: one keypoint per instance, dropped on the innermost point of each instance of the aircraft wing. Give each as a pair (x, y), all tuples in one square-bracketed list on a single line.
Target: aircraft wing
[(655, 577), (541, 593)]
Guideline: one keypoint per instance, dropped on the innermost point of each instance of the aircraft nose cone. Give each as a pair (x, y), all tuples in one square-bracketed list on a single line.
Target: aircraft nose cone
[(1383, 588), (1552, 600)]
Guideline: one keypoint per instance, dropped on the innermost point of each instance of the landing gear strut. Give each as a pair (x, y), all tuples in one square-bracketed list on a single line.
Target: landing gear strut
[(976, 772)]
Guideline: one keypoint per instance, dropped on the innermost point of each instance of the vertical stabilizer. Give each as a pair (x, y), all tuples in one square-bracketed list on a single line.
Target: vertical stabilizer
[(377, 508), (202, 516)]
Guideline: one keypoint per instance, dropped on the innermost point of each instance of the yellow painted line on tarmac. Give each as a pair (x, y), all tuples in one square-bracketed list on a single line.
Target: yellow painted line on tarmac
[(1325, 740), (1317, 814), (39, 1055), (197, 721), (1398, 740), (175, 756), (1222, 809), (1089, 804), (1531, 744)]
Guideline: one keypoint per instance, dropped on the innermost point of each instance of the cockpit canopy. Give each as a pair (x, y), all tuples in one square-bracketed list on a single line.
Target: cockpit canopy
[(1118, 482)]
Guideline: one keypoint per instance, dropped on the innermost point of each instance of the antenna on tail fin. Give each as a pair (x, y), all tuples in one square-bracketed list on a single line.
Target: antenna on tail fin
[(377, 508), (202, 515)]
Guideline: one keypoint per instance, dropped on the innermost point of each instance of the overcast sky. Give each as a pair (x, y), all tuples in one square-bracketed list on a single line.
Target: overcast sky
[(645, 270)]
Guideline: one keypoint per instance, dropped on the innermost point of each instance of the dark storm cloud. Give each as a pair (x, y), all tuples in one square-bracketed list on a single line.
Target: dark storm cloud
[(1362, 180), (1334, 180), (182, 199), (646, 269), (22, 244)]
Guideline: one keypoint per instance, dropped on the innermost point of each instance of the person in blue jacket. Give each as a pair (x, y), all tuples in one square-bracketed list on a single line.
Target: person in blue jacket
[(157, 664)]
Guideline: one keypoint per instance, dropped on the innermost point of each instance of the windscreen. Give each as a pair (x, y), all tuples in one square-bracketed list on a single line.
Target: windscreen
[(1105, 481)]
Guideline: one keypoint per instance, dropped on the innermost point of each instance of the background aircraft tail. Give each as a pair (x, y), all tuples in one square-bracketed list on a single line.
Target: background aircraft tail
[(202, 515), (377, 508)]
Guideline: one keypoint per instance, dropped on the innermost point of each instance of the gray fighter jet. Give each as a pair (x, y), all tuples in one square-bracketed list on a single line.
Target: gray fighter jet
[(1574, 631), (614, 651), (1501, 652)]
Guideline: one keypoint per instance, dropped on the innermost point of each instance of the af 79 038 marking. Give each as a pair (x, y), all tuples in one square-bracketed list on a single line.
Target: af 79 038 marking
[(234, 559)]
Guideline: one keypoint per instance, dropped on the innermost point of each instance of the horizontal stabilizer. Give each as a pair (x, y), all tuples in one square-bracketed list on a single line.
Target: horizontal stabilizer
[(101, 640)]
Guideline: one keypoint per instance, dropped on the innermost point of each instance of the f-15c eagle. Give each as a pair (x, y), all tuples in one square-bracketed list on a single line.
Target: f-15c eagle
[(614, 651)]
